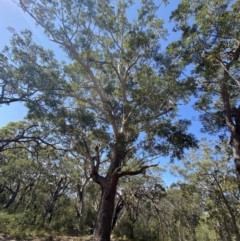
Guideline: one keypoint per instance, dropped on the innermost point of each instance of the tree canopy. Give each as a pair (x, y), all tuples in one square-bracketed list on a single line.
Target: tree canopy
[(111, 111)]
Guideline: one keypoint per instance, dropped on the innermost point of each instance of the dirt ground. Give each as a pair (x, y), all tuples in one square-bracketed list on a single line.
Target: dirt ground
[(4, 237)]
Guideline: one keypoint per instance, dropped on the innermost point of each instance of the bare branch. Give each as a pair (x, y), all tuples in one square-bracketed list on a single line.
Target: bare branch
[(133, 173)]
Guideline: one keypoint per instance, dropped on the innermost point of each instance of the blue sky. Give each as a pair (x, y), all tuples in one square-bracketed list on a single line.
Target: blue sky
[(11, 15)]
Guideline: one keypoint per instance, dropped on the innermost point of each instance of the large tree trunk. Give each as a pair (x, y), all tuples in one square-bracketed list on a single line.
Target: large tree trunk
[(108, 185), (232, 118), (103, 226), (235, 143)]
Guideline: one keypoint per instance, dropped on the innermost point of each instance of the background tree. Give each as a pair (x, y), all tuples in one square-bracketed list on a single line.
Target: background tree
[(27, 73), (139, 198), (34, 177), (26, 70), (210, 47), (210, 172)]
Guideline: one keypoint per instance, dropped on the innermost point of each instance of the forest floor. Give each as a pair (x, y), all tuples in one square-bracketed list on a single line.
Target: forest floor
[(4, 237)]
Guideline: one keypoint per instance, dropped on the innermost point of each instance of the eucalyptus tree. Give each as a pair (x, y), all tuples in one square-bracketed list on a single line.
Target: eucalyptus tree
[(28, 135), (137, 204), (27, 73), (31, 144), (183, 214), (26, 69), (119, 83), (210, 172), (35, 179), (210, 47)]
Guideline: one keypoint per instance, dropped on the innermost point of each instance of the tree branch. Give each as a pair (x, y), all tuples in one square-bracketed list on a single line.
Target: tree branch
[(133, 173)]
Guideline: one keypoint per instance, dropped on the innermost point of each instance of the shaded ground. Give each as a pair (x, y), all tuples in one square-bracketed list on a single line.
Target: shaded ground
[(4, 237)]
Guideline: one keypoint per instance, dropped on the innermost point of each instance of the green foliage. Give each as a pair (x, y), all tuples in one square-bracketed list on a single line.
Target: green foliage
[(116, 89), (211, 173), (110, 111), (26, 70), (16, 225), (205, 232), (171, 140), (106, 83), (210, 36)]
